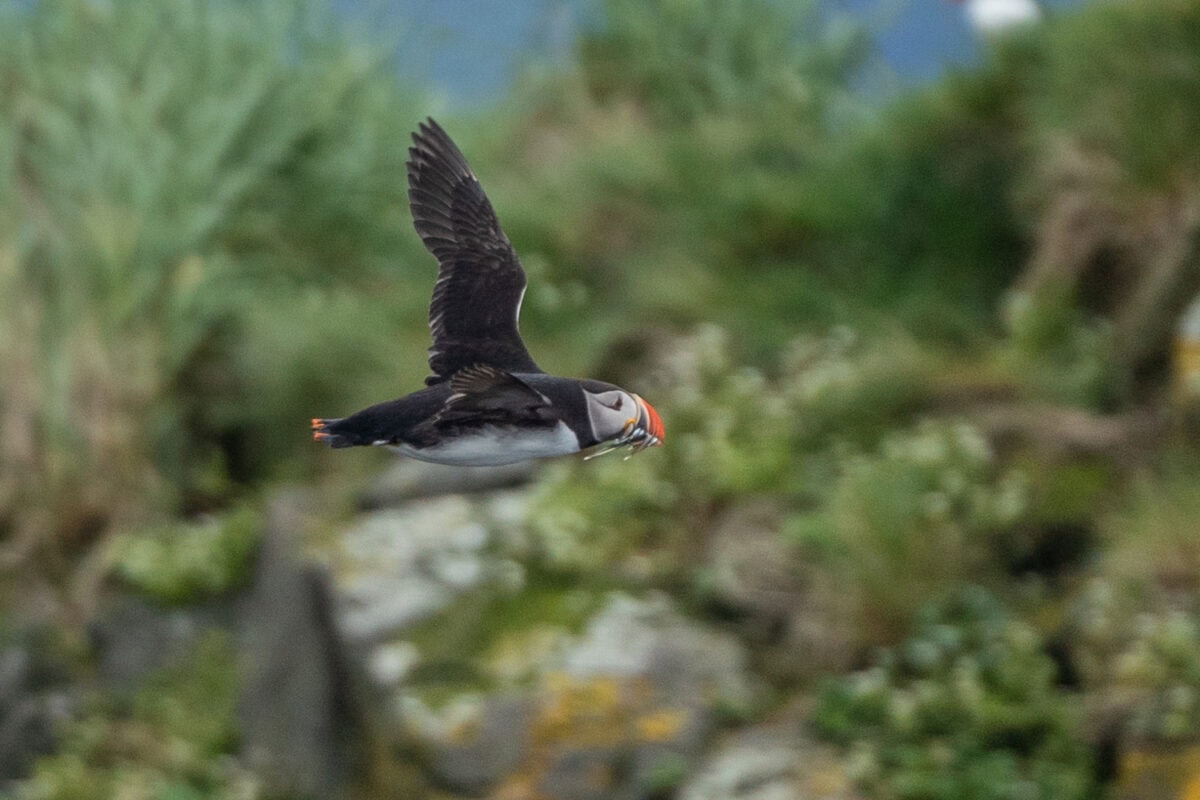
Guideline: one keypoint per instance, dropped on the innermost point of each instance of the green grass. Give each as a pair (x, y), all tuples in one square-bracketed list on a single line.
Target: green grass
[(1151, 543), (1119, 82), (172, 179)]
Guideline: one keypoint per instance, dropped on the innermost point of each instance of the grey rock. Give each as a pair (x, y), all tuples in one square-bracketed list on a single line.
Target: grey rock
[(458, 571), (389, 664), (795, 618), (133, 638), (752, 567), (16, 670), (670, 674), (292, 707), (398, 567), (29, 729), (407, 480), (649, 639), (585, 773), (620, 712), (31, 710), (473, 756), (770, 762), (657, 765), (748, 772), (388, 607)]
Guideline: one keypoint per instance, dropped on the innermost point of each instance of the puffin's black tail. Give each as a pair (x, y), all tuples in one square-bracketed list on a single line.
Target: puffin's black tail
[(324, 430)]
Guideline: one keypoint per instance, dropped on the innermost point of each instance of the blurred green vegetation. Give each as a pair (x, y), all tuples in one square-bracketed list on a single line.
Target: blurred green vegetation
[(186, 562), (173, 740), (204, 242), (966, 707), (1143, 657), (180, 186)]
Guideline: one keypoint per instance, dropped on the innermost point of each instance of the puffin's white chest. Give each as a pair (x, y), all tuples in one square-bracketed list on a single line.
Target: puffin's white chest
[(494, 445)]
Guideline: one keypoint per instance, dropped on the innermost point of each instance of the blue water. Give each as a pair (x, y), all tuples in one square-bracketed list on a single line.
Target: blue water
[(469, 51)]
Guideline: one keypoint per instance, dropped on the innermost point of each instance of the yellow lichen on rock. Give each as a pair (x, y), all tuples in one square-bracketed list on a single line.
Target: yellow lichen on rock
[(1164, 772), (661, 725), (593, 718)]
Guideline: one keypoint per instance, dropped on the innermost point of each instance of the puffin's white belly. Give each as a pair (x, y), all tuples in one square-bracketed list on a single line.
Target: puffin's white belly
[(494, 445)]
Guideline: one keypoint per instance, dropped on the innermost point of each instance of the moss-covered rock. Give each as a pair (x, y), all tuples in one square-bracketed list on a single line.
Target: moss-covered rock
[(625, 706), (175, 738)]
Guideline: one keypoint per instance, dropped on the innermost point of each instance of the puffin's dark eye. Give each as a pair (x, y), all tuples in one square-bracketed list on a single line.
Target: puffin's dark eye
[(616, 404)]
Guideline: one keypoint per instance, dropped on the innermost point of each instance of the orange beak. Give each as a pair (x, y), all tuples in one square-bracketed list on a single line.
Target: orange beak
[(650, 422)]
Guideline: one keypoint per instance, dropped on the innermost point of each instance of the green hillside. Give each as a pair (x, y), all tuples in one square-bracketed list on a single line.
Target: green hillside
[(932, 342)]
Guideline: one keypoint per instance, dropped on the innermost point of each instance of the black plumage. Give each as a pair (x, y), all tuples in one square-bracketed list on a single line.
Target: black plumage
[(480, 284), (486, 402)]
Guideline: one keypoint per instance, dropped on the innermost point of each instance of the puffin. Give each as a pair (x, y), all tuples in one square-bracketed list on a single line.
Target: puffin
[(486, 402)]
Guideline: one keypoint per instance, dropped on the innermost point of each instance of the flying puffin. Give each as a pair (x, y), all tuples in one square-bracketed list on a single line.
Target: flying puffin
[(486, 402)]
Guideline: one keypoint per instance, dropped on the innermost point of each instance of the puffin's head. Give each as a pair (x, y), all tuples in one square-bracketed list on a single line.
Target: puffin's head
[(619, 418)]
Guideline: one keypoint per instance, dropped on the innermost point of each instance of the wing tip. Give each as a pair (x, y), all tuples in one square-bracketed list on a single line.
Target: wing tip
[(432, 147)]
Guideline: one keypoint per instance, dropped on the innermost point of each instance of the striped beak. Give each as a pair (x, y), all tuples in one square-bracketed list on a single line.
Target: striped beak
[(644, 430), (648, 430)]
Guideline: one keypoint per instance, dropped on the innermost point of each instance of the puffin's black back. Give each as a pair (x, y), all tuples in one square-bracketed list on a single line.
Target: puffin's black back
[(390, 421)]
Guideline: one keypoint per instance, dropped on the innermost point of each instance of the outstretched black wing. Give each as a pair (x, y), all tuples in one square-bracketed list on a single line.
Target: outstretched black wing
[(480, 283)]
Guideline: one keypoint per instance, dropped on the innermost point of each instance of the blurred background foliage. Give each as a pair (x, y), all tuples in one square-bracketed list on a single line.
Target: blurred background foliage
[(927, 332), (179, 182)]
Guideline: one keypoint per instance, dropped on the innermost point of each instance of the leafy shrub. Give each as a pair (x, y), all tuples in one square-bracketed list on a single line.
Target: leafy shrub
[(1062, 353), (1161, 665), (1118, 85), (1145, 661), (965, 707), (685, 151), (732, 433), (188, 562), (843, 387), (728, 431), (915, 518), (1132, 631), (1107, 99), (917, 215)]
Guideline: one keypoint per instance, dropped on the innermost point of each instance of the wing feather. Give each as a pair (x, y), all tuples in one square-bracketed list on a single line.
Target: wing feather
[(477, 296)]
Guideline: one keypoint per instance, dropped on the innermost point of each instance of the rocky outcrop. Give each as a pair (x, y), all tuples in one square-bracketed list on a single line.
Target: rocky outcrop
[(395, 568), (770, 762), (406, 480), (426, 634), (583, 694), (133, 638), (756, 579), (294, 704), (34, 700), (630, 706)]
